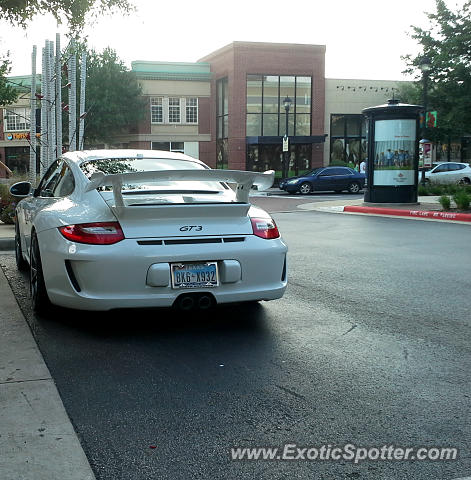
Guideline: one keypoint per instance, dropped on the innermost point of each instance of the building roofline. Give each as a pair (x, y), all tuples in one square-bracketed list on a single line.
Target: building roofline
[(238, 44)]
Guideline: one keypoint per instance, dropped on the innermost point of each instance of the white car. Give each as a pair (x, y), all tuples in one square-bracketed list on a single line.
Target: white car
[(449, 172), (128, 228)]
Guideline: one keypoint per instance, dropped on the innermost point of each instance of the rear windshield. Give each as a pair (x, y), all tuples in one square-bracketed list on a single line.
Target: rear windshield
[(132, 165)]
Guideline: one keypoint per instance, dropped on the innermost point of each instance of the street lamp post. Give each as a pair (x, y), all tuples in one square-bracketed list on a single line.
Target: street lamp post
[(425, 66), (284, 173)]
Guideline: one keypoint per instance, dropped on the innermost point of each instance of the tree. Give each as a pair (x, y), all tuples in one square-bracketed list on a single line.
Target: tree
[(8, 93), (447, 43), (114, 101), (19, 12)]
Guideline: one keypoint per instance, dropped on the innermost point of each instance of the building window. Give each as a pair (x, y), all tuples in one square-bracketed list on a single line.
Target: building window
[(222, 119), (191, 110), (268, 157), (156, 110), (174, 110), (178, 147), (347, 139), (16, 119), (265, 112)]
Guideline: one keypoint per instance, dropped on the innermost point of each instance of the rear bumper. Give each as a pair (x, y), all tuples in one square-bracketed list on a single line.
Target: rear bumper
[(116, 276)]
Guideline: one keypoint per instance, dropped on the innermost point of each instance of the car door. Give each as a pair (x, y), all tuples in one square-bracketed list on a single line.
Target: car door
[(438, 174), (323, 180), (42, 197), (455, 172), (341, 178)]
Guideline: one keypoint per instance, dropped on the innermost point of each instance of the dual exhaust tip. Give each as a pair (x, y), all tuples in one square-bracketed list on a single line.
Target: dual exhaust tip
[(194, 301)]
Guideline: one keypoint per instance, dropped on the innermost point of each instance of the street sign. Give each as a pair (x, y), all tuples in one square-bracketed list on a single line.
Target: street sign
[(285, 144)]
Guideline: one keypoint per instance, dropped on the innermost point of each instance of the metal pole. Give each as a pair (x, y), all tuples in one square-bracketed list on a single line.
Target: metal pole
[(43, 137), (72, 99), (83, 78), (424, 126), (58, 97), (32, 121), (286, 154), (52, 103)]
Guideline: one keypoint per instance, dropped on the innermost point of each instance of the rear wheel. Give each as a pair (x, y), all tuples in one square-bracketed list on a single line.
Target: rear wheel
[(305, 188), (21, 263), (354, 187), (39, 299), (464, 181)]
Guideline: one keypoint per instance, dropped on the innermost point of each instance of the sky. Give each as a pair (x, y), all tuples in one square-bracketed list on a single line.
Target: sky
[(364, 38)]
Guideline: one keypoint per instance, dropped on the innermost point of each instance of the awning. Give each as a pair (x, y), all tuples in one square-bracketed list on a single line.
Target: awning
[(278, 140)]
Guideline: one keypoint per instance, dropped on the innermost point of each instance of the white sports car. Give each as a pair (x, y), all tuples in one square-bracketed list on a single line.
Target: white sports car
[(133, 228)]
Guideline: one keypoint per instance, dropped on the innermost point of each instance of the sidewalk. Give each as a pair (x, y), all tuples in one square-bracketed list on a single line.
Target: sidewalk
[(7, 237), (37, 440), (428, 208)]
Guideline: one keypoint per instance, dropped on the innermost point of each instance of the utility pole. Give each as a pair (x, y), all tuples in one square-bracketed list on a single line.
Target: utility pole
[(72, 98), (58, 97), (83, 78), (43, 137), (32, 121)]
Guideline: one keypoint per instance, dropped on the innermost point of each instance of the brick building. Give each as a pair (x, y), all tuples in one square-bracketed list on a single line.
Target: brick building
[(227, 109), (249, 83)]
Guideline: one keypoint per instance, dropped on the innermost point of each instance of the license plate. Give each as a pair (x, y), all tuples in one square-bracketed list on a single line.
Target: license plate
[(194, 275)]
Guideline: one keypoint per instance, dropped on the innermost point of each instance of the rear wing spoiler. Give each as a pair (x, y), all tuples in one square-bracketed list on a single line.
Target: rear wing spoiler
[(244, 180)]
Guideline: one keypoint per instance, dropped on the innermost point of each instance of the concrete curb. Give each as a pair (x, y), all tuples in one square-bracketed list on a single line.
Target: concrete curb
[(37, 440), (460, 217), (7, 243)]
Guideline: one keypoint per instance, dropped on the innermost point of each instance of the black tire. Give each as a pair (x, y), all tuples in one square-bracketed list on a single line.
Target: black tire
[(305, 188), (354, 187), (463, 181), (39, 299), (21, 263)]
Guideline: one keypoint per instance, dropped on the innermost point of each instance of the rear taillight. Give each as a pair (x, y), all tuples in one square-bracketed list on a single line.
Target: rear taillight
[(100, 233), (265, 228)]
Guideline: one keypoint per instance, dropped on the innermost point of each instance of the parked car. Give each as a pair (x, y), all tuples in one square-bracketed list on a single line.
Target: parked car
[(325, 178), (449, 172), (126, 228)]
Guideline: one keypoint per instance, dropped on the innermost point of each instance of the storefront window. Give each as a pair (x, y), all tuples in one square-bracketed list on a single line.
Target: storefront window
[(221, 153), (270, 124), (271, 94), (254, 94), (222, 108), (254, 125), (261, 158), (287, 89), (303, 95), (347, 139), (265, 94), (303, 124)]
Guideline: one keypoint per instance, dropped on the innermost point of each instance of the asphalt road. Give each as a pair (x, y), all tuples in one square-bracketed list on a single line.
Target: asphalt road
[(369, 346)]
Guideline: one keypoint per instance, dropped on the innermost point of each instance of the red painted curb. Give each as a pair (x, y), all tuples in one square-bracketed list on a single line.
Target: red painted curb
[(462, 217)]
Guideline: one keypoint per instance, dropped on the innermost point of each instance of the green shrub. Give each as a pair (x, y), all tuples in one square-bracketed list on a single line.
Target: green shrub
[(462, 199), (445, 202), (7, 201), (338, 163), (436, 189), (7, 215), (422, 191)]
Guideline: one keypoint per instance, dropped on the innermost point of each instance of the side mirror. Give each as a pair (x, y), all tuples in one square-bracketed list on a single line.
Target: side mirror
[(21, 189)]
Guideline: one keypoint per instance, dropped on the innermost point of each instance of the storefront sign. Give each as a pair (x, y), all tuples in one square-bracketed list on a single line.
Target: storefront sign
[(19, 136), (394, 152), (285, 144)]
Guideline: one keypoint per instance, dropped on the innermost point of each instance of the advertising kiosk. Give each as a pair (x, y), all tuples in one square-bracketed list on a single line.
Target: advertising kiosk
[(393, 152)]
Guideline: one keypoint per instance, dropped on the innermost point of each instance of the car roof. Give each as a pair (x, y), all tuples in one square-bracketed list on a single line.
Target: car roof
[(82, 156)]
